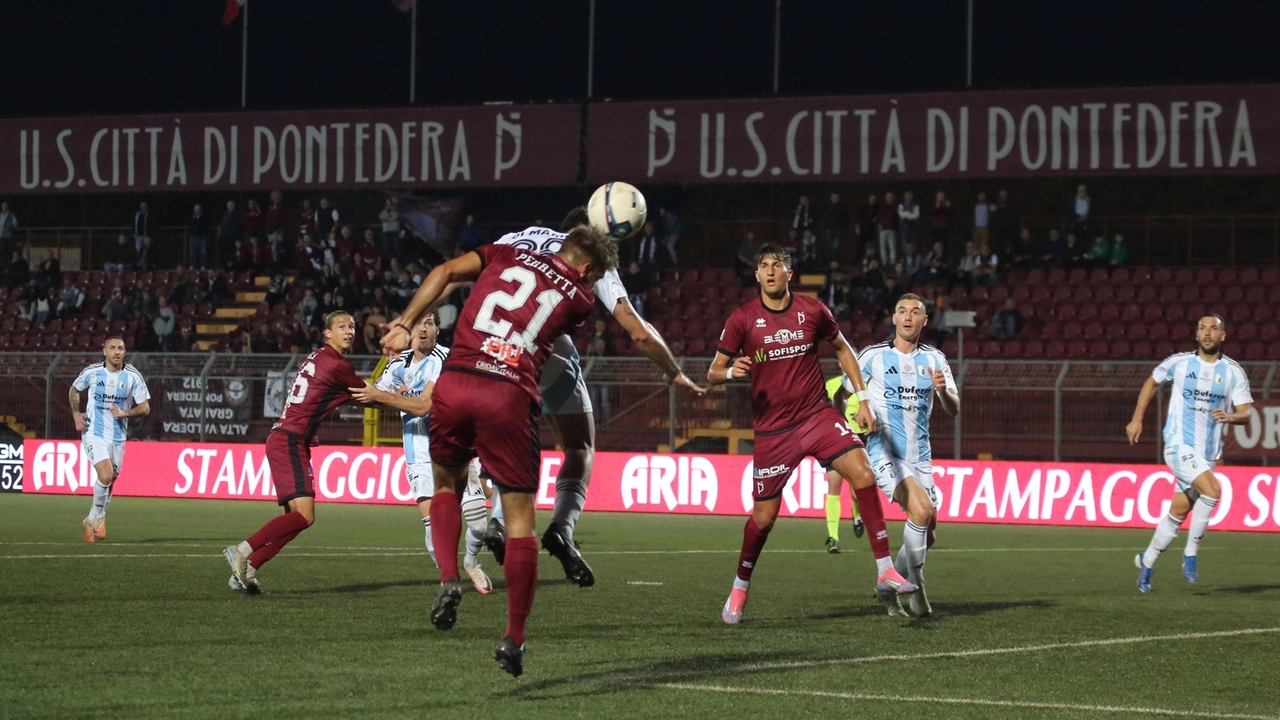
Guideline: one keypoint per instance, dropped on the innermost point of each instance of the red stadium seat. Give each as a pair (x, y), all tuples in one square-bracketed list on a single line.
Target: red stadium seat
[(1137, 331), (1057, 276), (1175, 313), (1256, 294), (1035, 276), (1131, 313), (1254, 351), (1061, 294), (1041, 293), (1273, 293), (1247, 331), (1152, 313), (1273, 351), (1124, 294), (1033, 350), (1011, 350), (1269, 276), (699, 347), (1077, 276), (1170, 294), (1119, 350), (676, 329), (1072, 331), (1232, 294), (1094, 331), (1020, 294), (1109, 313), (1098, 276), (1162, 276), (1088, 311), (1051, 329), (999, 293), (1203, 276), (1263, 313), (1248, 276), (1160, 330), (1269, 332), (1065, 311), (1083, 294), (1142, 351), (1055, 349), (1211, 295), (1120, 276), (1078, 350), (1166, 348), (1148, 294), (18, 342)]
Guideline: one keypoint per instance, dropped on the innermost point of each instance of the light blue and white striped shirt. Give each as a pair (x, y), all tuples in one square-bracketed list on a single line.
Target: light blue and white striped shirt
[(123, 389), (900, 390), (402, 373), (1199, 388)]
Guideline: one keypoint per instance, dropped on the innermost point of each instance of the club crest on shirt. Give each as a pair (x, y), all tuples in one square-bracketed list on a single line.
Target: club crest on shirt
[(1217, 378)]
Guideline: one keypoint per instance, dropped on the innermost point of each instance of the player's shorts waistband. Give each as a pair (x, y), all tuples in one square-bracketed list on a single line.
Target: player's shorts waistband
[(290, 433)]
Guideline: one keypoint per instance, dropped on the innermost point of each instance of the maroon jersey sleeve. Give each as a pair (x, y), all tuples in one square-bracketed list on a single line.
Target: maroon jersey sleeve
[(828, 328), (319, 387), (733, 335)]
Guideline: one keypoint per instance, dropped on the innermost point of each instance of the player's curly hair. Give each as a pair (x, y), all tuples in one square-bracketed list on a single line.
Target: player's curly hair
[(593, 245)]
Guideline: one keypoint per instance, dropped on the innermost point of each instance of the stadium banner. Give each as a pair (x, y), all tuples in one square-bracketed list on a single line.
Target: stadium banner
[(225, 407), (1024, 493), (482, 146), (11, 466), (1211, 129), (1257, 439)]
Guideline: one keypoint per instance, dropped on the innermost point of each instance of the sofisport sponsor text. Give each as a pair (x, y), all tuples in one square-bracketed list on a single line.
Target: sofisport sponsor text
[(1027, 493)]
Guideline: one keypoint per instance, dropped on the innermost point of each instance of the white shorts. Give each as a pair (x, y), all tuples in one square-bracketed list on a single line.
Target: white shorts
[(98, 449), (562, 386), (1186, 464), (422, 480), (890, 470)]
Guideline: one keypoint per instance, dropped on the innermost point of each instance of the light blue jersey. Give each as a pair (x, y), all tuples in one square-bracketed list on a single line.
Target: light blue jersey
[(1199, 388), (403, 373), (900, 390), (123, 389)]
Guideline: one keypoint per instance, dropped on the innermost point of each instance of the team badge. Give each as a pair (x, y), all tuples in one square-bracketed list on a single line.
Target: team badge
[(800, 317)]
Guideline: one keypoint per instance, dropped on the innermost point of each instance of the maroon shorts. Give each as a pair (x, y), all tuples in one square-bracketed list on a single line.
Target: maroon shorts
[(826, 436), (473, 416), (289, 458)]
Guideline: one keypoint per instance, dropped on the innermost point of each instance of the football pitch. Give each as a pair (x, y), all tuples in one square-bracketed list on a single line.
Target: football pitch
[(1028, 622)]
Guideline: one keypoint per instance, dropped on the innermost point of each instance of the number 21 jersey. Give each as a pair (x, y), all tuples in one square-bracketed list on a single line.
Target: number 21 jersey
[(522, 301)]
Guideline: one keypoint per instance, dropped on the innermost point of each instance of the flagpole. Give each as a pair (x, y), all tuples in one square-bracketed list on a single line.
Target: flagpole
[(244, 56), (413, 54)]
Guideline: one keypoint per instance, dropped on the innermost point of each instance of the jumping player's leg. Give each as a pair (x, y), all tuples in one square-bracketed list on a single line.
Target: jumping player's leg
[(446, 516), (576, 433)]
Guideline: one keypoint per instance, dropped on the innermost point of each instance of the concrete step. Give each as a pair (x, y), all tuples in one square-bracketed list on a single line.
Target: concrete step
[(205, 345), (251, 297), (235, 312), (811, 279)]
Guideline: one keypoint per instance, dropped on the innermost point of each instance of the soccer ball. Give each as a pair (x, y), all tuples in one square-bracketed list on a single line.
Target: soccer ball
[(617, 210)]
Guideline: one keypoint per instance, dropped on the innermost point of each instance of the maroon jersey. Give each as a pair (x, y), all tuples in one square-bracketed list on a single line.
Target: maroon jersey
[(320, 387), (522, 301), (787, 386)]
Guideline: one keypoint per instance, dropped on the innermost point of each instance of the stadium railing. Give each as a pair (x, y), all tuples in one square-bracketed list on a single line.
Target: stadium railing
[(1014, 410), (1217, 240)]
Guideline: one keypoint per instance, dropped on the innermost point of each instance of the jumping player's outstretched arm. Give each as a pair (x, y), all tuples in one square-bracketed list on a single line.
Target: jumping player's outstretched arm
[(459, 269), (417, 406), (652, 346), (849, 364)]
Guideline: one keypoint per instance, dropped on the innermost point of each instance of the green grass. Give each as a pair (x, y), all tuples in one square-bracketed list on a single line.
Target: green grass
[(143, 625)]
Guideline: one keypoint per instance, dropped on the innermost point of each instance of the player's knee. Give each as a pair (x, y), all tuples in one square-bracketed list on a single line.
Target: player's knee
[(1209, 486), (764, 523)]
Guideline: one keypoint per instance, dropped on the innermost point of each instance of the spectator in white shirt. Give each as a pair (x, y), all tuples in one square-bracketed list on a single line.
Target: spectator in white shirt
[(908, 218), (981, 220)]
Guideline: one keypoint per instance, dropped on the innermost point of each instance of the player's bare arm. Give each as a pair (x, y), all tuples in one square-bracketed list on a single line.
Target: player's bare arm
[(947, 397), (652, 346), (371, 395), (460, 269), (849, 364), (142, 409), (722, 371), (73, 395), (1134, 428), (1239, 415)]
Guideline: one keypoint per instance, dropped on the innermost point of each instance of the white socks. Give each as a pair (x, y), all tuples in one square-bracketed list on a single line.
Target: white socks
[(740, 584), (882, 565), (431, 547), (1200, 513), (474, 514), (914, 540), (1165, 533), (496, 501), (101, 496)]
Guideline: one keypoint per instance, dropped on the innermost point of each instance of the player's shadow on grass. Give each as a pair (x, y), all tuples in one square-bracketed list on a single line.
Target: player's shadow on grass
[(1241, 590), (611, 682), (940, 611)]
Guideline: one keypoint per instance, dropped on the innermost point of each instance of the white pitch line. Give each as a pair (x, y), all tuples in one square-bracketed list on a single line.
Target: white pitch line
[(643, 582), (1126, 709), (95, 556), (1008, 650)]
